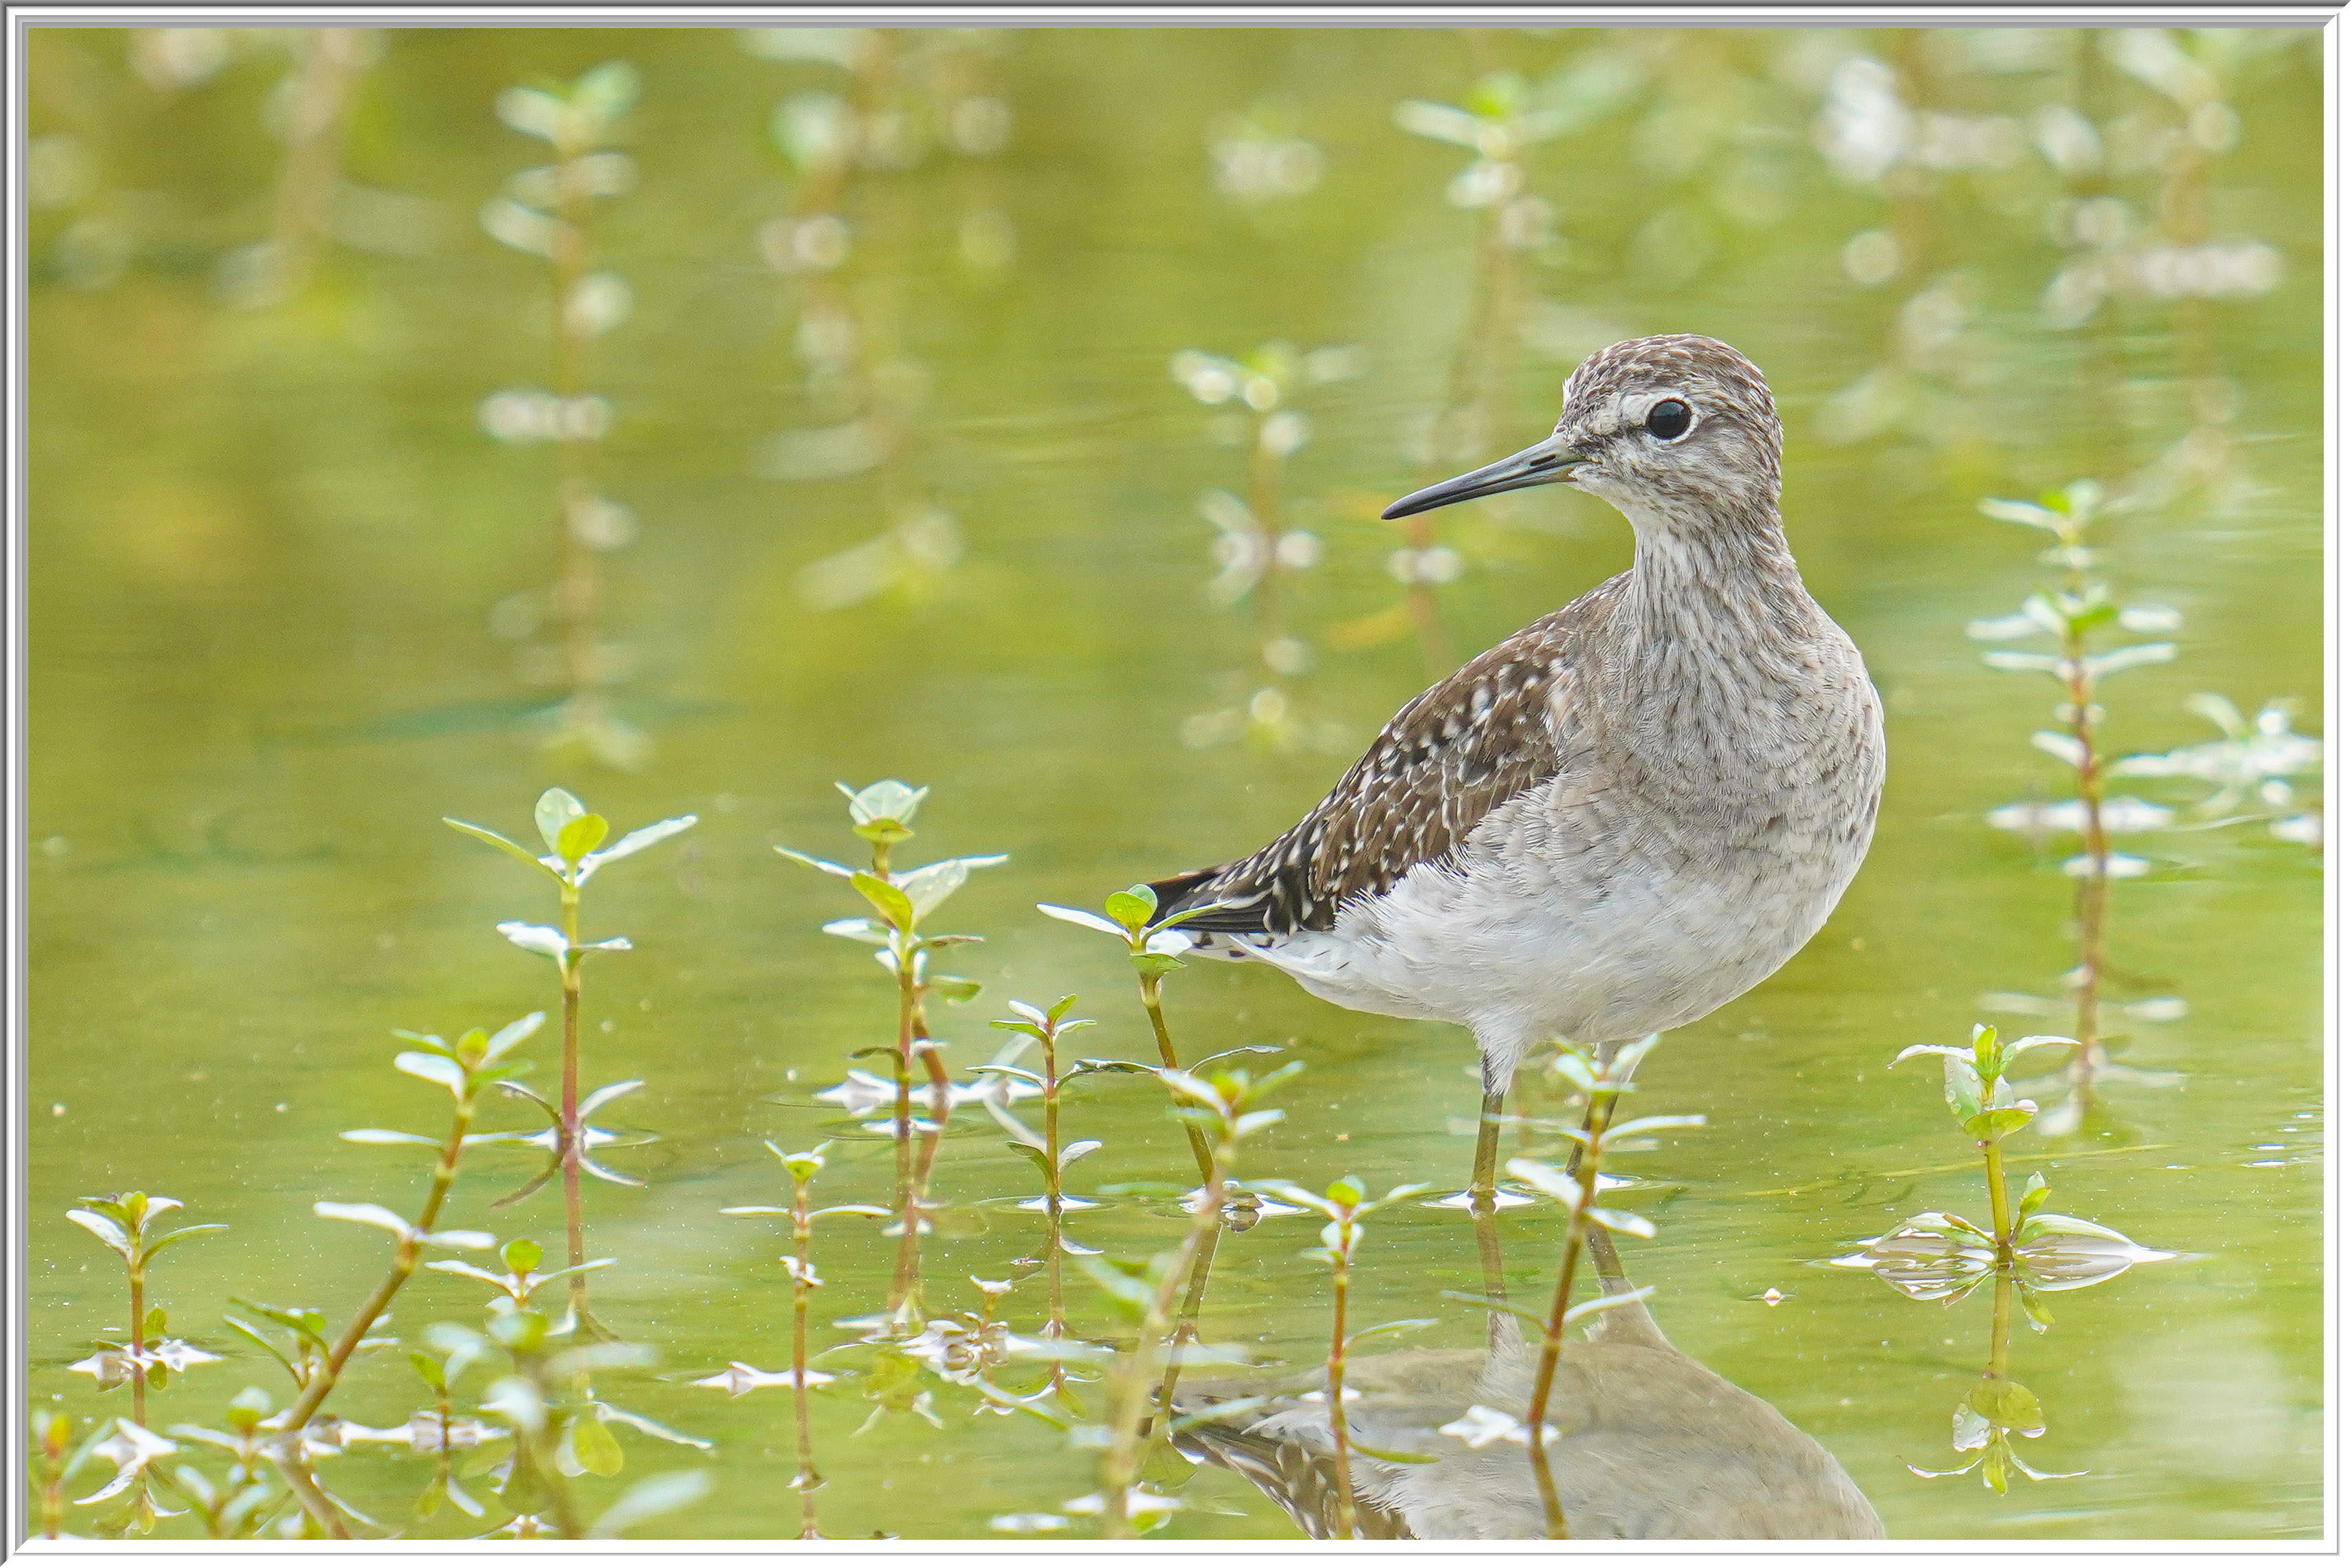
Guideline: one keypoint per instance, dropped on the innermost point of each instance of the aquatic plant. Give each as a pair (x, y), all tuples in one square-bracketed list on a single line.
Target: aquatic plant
[(1052, 1158), (144, 1358), (2025, 1252), (2080, 614), (1257, 547), (1345, 1202), (576, 838), (121, 1220), (569, 1432), (1223, 1105), (1154, 948), (1574, 1187), (558, 1428), (2262, 757), (740, 1377), (311, 112), (1501, 120), (889, 98), (883, 815), (548, 212)]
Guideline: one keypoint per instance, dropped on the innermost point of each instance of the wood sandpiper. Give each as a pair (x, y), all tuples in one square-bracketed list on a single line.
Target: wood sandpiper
[(1617, 821)]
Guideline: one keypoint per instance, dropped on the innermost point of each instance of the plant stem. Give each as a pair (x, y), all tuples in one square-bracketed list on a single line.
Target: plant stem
[(1997, 1188), (53, 1483), (1997, 1365), (575, 1229), (138, 1341), (1336, 1385), (2091, 892), (1588, 1174), (315, 1503), (404, 1265), (1201, 1154), (1187, 1322), (1122, 1460), (1057, 1326), (577, 589)]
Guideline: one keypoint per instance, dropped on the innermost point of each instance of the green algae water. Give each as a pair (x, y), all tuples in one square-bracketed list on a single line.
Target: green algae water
[(1009, 412)]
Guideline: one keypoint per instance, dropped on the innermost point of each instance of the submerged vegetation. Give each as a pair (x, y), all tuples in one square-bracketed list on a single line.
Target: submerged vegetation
[(900, 448)]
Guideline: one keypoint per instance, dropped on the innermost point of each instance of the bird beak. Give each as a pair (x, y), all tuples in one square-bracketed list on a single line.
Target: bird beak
[(1547, 461)]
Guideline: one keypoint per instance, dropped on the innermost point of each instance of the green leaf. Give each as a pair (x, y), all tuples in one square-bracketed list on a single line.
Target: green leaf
[(1963, 1090), (2008, 1405), (1600, 1304), (1347, 1191), (643, 838), (1134, 908), (1996, 1124), (1129, 1292), (523, 1256), (887, 900), (1392, 1455), (1036, 1156), (888, 801), (433, 1070), (1644, 1124), (1155, 966), (953, 987), (650, 1498), (1400, 1326), (103, 1227), (171, 1235), (1106, 1064), (1985, 1040), (156, 1322), (1574, 1067), (593, 1445), (581, 836), (500, 841), (813, 864), (1553, 1183), (2036, 1194), (555, 809), (1619, 1220), (430, 1370), (2067, 1225)]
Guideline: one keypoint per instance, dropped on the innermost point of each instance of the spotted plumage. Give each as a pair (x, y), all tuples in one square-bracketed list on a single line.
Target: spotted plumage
[(1461, 749), (1623, 816)]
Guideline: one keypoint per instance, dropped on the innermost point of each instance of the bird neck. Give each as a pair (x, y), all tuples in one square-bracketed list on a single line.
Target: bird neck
[(1723, 579)]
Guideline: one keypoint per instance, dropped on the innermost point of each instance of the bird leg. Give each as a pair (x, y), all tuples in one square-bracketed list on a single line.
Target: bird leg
[(1482, 1167), (1482, 1204)]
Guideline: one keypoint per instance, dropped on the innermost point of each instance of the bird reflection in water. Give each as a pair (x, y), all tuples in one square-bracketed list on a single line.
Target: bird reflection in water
[(1646, 1444)]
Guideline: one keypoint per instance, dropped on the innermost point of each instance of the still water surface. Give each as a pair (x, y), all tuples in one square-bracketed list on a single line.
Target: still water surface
[(275, 634)]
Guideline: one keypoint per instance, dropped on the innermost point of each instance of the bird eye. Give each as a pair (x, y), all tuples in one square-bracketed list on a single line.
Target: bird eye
[(1668, 419)]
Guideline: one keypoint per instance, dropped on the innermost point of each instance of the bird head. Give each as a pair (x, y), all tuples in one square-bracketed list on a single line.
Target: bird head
[(1671, 431)]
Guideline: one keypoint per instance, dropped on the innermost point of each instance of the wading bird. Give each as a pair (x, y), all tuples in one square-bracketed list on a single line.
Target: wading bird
[(1622, 817)]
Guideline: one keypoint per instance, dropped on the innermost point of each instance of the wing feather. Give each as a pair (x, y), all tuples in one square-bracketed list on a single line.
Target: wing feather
[(1490, 731)]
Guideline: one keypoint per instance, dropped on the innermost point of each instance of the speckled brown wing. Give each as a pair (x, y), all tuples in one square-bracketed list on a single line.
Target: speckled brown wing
[(1471, 742)]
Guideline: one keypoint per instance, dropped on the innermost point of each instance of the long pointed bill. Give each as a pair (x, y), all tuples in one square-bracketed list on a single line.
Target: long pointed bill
[(1547, 461)]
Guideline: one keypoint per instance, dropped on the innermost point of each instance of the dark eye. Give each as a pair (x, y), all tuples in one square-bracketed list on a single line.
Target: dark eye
[(1668, 419)]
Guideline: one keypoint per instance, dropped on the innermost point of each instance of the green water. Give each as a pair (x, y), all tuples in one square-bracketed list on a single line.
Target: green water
[(268, 539)]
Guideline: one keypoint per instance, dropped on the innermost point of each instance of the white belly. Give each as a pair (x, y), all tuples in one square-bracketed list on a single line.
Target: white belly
[(1553, 926)]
